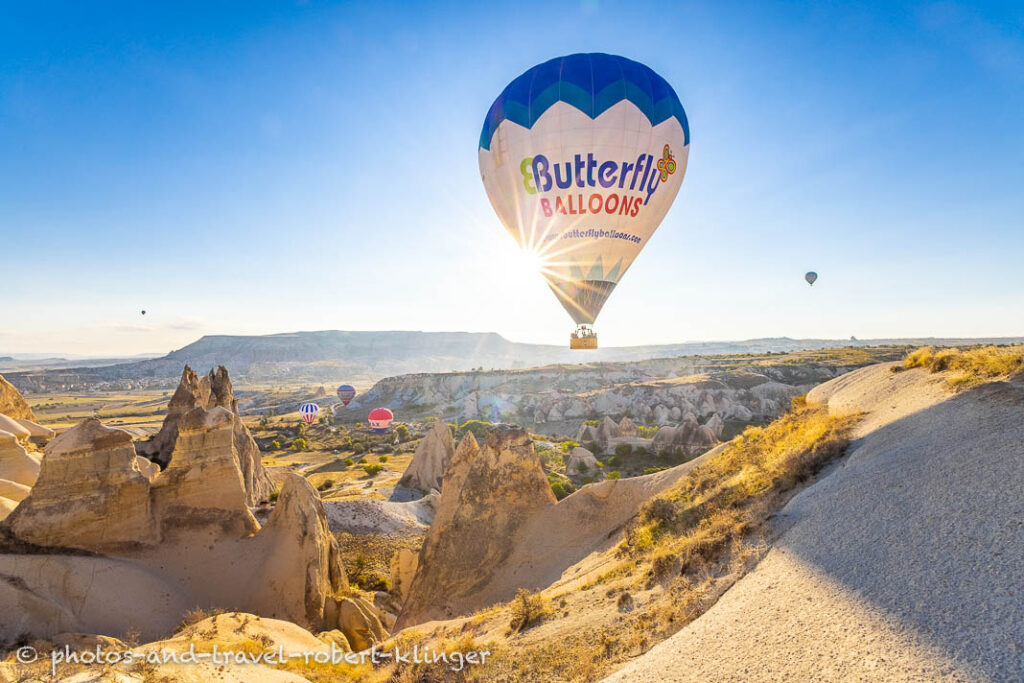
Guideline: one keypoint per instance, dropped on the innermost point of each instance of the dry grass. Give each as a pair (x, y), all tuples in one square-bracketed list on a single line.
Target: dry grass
[(970, 367), (726, 500)]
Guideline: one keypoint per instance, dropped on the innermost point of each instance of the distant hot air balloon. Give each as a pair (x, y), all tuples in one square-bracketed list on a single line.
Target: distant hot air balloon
[(811, 277), (581, 157), (143, 313), (380, 419), (346, 392), (309, 412)]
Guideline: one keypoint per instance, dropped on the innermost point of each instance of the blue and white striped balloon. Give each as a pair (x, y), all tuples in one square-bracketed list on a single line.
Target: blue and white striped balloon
[(309, 411)]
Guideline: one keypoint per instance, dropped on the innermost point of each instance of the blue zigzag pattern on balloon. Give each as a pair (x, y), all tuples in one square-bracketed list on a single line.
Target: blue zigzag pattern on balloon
[(590, 82)]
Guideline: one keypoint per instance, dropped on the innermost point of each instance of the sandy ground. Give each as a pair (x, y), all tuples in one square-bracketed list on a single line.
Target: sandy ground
[(903, 564)]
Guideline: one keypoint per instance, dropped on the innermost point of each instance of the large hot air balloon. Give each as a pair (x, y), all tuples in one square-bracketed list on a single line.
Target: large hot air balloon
[(581, 157), (380, 419), (346, 392), (811, 276), (309, 412)]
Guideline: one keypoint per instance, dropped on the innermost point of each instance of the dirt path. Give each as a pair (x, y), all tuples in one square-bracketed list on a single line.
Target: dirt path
[(903, 564)]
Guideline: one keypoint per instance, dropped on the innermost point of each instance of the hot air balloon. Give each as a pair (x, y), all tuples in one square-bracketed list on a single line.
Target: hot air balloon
[(380, 419), (143, 313), (309, 412), (581, 157), (811, 276), (346, 392)]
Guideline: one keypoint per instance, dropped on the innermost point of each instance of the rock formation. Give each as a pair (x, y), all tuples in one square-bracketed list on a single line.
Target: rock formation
[(203, 477), (627, 427), (426, 470), (12, 404), (498, 528), (189, 529), (360, 625), (403, 569), (210, 391), (607, 431), (581, 461), (89, 493), (487, 494), (17, 464), (12, 426), (690, 437)]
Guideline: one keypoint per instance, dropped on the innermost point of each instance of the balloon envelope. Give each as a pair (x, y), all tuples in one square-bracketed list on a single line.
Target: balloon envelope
[(581, 157), (346, 392), (811, 277), (309, 412), (380, 419)]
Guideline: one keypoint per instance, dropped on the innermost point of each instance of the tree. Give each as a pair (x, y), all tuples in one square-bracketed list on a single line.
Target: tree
[(402, 432)]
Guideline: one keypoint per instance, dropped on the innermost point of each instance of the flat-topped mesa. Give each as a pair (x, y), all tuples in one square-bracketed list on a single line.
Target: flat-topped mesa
[(89, 494), (488, 492), (426, 470), (212, 390)]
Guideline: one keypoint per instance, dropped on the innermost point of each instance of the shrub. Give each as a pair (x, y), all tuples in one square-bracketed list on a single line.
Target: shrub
[(275, 444), (349, 462), (325, 485), (274, 496), (383, 458), (623, 450), (478, 428), (402, 433), (613, 475), (640, 450), (299, 444), (613, 460), (646, 432), (558, 490), (659, 510), (662, 564), (373, 470), (526, 609), (567, 446)]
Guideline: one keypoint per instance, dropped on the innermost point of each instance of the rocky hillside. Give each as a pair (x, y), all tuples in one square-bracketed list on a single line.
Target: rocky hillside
[(557, 398)]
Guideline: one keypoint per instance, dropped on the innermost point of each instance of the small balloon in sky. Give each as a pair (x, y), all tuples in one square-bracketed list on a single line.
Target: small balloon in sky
[(143, 312), (811, 276)]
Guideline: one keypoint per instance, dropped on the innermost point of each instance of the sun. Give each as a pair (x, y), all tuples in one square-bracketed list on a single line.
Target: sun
[(532, 260)]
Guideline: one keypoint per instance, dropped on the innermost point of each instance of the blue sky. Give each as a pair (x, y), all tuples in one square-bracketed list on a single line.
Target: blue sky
[(264, 167)]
